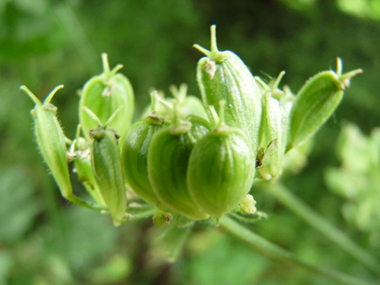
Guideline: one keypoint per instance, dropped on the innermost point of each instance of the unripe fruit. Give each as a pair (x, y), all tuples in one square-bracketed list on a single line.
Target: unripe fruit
[(52, 144), (168, 156), (135, 156), (224, 76), (103, 94), (274, 127), (221, 170), (108, 172), (80, 152), (106, 165), (316, 101)]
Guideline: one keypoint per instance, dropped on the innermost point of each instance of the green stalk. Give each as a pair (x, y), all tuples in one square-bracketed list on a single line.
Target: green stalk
[(284, 196), (276, 252), (139, 213)]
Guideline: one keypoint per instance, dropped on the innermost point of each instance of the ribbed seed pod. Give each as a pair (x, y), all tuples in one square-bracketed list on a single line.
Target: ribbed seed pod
[(135, 156), (103, 94), (80, 152), (106, 164), (221, 170), (107, 168), (168, 156), (52, 144), (315, 102), (274, 127), (224, 76)]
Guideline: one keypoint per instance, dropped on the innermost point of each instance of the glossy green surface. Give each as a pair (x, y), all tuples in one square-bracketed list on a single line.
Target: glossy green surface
[(135, 158), (314, 104), (224, 76), (221, 171), (168, 158), (103, 94)]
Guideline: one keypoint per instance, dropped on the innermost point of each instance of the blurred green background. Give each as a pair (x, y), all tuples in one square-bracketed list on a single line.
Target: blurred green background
[(43, 43)]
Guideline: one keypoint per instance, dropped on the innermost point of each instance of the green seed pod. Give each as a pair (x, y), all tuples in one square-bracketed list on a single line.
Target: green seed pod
[(52, 144), (51, 140), (224, 76), (80, 152), (274, 127), (221, 170), (135, 156), (316, 101), (168, 156), (107, 168), (103, 94)]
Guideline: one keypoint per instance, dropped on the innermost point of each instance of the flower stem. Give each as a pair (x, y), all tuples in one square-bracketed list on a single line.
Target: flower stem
[(284, 196), (276, 252)]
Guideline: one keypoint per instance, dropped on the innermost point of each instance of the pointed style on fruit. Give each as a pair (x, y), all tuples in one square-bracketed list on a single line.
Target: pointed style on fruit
[(222, 75)]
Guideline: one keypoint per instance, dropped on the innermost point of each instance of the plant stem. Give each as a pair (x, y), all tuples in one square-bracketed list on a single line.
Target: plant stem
[(139, 213), (276, 252), (284, 196)]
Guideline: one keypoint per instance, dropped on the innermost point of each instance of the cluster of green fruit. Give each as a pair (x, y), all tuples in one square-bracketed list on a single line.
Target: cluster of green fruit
[(197, 158)]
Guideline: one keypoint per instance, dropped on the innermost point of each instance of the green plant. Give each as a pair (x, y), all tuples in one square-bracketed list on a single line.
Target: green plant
[(171, 148)]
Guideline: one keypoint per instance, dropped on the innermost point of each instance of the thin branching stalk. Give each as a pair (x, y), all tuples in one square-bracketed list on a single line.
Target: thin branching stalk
[(285, 197), (274, 251)]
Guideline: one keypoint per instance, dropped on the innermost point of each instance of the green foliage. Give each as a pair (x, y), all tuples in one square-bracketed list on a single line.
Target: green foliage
[(361, 8), (358, 179), (18, 206), (245, 267)]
